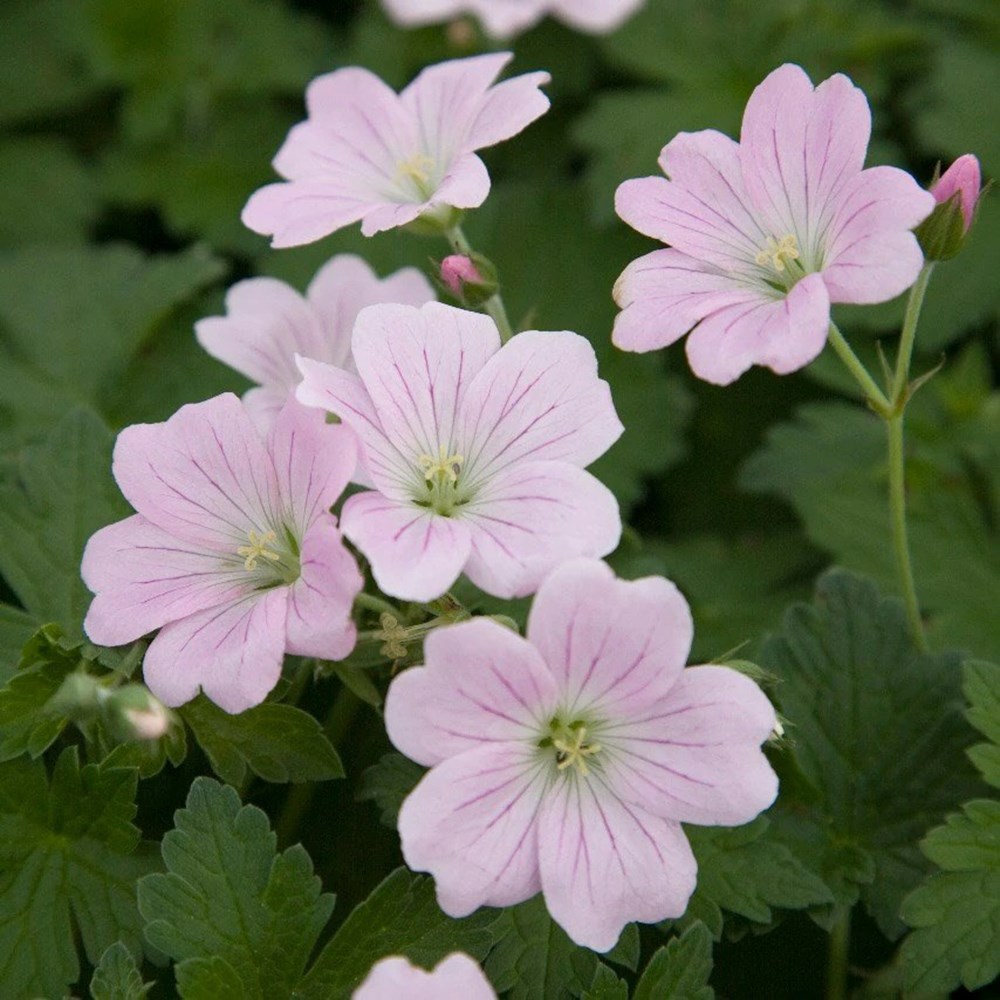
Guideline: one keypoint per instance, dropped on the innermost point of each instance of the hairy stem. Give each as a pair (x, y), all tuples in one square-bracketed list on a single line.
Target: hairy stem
[(876, 397), (913, 306)]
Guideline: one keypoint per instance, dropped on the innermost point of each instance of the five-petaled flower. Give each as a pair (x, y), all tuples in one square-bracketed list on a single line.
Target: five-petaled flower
[(267, 323), (455, 977), (764, 234), (476, 451), (566, 762), (506, 18), (368, 154), (233, 554)]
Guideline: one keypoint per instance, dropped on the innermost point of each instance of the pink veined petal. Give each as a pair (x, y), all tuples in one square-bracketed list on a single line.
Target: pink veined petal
[(263, 406), (703, 210), (508, 108), (144, 578), (871, 255), (694, 755), (532, 516), (471, 823), (203, 475), (415, 554), (800, 147), (416, 364), (266, 323), (605, 863), (596, 16), (233, 653), (614, 646), (297, 212), (664, 294), (456, 977), (341, 289), (465, 185), (482, 683), (343, 393), (783, 334), (538, 398), (321, 600), (391, 214), (313, 460)]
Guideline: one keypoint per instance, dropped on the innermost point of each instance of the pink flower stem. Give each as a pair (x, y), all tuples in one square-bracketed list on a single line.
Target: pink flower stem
[(494, 306)]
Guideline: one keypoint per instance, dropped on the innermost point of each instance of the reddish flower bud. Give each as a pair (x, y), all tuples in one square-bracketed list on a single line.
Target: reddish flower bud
[(963, 177), (942, 234), (458, 270)]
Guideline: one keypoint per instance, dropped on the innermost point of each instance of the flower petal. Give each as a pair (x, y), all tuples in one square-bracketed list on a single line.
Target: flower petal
[(471, 823), (783, 334), (416, 364), (233, 653), (144, 578), (203, 476), (605, 863), (532, 516), (695, 756), (456, 977), (313, 460), (595, 16), (664, 294), (539, 397), (415, 555), (294, 213), (799, 147), (320, 602), (872, 256), (481, 683), (614, 646), (508, 108)]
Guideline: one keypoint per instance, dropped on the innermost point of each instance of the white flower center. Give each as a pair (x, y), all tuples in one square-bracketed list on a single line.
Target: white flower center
[(441, 488), (280, 562), (777, 254), (571, 745), (418, 169)]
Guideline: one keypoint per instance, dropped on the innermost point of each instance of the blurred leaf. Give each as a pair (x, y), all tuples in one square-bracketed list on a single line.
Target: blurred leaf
[(47, 194), (117, 977), (606, 986), (71, 318), (209, 977), (278, 743), (16, 628), (399, 918), (27, 724), (388, 782), (228, 895), (982, 689), (68, 865), (681, 969), (61, 495), (879, 737)]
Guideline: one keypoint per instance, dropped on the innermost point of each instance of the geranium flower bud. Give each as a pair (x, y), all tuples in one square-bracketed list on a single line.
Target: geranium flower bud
[(469, 278), (942, 235)]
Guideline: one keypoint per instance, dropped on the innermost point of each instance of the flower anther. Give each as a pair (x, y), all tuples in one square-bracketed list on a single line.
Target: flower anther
[(571, 747)]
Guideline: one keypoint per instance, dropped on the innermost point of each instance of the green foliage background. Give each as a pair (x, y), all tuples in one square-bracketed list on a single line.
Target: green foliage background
[(131, 134)]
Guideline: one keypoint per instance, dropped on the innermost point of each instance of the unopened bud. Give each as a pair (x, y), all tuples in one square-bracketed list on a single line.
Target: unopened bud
[(458, 270), (141, 715), (942, 234), (470, 278)]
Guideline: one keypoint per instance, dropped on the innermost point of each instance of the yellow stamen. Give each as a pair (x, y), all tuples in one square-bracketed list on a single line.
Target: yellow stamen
[(393, 635), (445, 465), (575, 754), (256, 550), (418, 168), (778, 253)]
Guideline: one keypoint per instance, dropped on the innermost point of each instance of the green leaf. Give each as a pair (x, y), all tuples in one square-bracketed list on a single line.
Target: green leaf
[(681, 969), (388, 782), (27, 723), (200, 978), (117, 977), (61, 495), (982, 689), (62, 350), (68, 866), (278, 743), (227, 894), (400, 917), (745, 871), (878, 735), (606, 986), (16, 628), (535, 958)]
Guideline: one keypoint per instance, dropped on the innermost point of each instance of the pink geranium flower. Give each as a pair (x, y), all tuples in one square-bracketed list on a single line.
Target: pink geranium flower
[(566, 762), (267, 323), (456, 977), (367, 153), (766, 233), (506, 18), (233, 553), (476, 451)]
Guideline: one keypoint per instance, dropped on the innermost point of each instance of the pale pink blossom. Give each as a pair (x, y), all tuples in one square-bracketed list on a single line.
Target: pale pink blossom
[(476, 451), (233, 554), (503, 19), (457, 271), (764, 234), (565, 762), (268, 322), (368, 154), (963, 177), (149, 723), (456, 977)]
